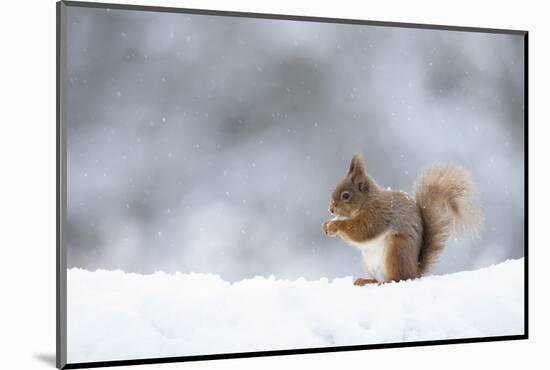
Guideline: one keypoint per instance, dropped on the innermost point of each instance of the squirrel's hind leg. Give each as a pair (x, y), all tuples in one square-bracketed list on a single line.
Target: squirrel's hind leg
[(401, 259), (361, 281)]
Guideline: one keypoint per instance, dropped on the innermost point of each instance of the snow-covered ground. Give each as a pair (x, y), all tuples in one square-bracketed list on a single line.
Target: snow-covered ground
[(114, 315)]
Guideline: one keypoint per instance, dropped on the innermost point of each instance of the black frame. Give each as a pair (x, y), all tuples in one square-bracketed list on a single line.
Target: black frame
[(61, 266)]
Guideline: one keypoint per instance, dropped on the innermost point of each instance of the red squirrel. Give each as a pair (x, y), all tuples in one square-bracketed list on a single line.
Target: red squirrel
[(400, 237)]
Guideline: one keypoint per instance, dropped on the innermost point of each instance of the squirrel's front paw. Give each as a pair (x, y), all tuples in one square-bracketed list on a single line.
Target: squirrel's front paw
[(330, 228)]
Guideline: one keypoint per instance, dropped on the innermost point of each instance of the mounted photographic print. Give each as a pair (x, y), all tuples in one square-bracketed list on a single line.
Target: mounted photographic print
[(235, 184)]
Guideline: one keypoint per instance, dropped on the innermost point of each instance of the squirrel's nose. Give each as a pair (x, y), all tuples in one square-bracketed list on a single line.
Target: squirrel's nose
[(331, 210)]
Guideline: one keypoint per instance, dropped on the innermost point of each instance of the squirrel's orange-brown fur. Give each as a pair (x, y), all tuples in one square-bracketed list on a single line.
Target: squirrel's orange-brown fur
[(412, 231)]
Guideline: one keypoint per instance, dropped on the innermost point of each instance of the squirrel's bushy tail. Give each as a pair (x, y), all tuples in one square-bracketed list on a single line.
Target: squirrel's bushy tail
[(447, 201)]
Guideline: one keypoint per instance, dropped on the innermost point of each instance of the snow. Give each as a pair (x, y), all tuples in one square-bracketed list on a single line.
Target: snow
[(115, 315)]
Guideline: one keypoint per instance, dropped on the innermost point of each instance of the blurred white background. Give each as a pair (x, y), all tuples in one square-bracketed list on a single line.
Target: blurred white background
[(212, 144)]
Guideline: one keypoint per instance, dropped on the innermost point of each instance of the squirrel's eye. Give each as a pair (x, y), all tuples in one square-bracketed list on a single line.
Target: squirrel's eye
[(345, 195)]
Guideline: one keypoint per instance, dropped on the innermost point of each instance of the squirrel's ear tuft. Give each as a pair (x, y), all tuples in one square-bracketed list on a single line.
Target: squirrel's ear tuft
[(356, 168)]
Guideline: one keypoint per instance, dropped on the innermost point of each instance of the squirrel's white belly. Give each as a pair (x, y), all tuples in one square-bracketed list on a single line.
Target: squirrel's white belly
[(373, 256)]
